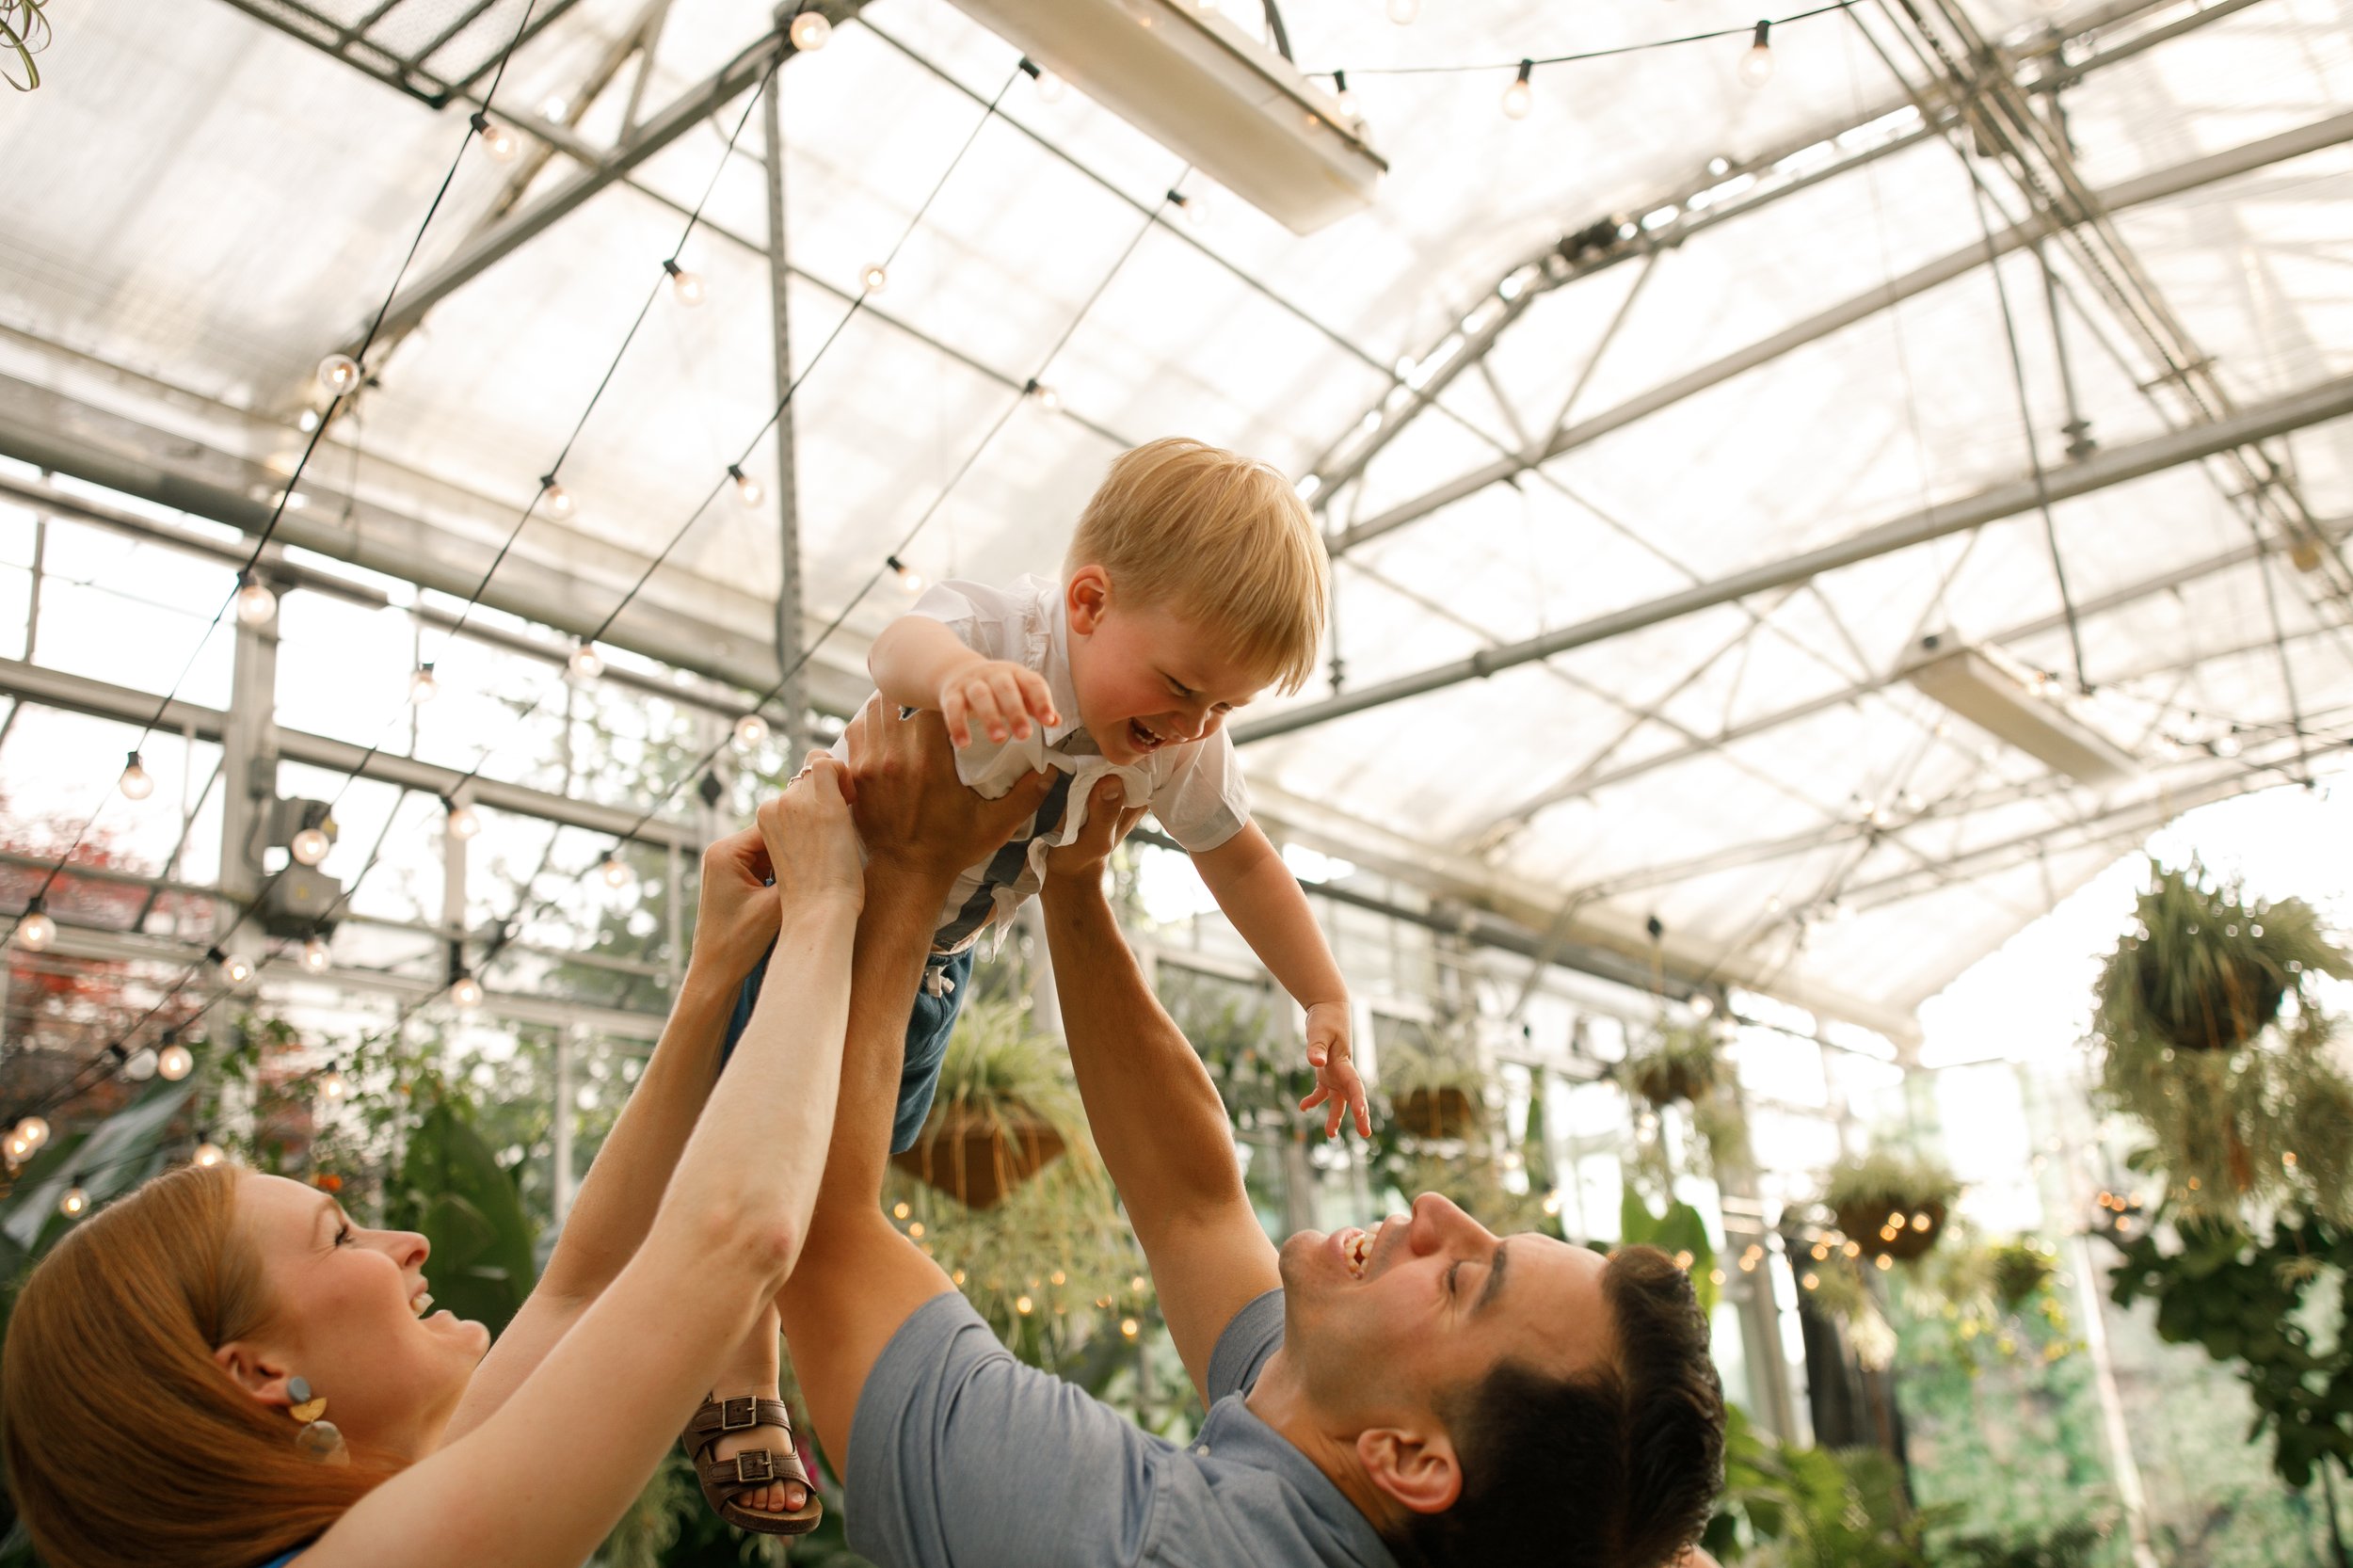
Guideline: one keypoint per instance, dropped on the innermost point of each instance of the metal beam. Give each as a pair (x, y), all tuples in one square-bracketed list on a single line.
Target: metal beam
[(688, 110), (77, 693), (2315, 405), (2156, 186)]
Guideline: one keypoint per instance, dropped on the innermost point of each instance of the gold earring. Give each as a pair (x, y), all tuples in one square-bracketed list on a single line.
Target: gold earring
[(320, 1440)]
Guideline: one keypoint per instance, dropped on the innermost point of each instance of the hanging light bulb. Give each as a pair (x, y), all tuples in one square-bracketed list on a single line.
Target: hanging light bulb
[(208, 1154), (35, 930), (136, 783), (422, 686), (1701, 1003), (614, 870), (236, 969), (338, 374), (310, 847), (559, 499), (1047, 396), (501, 143), (1402, 12), (747, 490), (1756, 66), (585, 664), (910, 580), (687, 287), (1520, 97), (1340, 95), (255, 602), (809, 32), (74, 1204), (1050, 87), (873, 276), (462, 822), (32, 1132), (332, 1084), (466, 991), (750, 731), (315, 955), (174, 1063)]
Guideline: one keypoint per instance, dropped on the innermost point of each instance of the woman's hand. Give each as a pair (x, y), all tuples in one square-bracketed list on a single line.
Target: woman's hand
[(913, 809), (735, 918), (811, 842), (1080, 862)]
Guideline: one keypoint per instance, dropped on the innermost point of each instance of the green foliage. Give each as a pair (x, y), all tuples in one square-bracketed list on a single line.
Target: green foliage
[(1889, 1180), (2246, 1108), (1679, 1232), (2272, 1304), (999, 1065), (1813, 1507), (451, 1188), (1674, 1062)]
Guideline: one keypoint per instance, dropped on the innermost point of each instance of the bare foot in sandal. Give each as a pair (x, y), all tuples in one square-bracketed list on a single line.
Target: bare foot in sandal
[(749, 1470), (777, 1497)]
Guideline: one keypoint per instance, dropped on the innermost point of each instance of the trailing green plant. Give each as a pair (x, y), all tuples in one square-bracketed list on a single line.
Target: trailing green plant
[(1890, 1201), (2019, 1270), (23, 33), (2273, 1303), (1001, 1070), (2067, 1546), (2245, 1107), (1677, 1063), (1785, 1507)]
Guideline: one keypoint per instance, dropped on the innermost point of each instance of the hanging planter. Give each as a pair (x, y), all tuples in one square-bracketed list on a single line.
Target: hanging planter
[(1434, 1097), (2243, 1102), (1891, 1205), (1677, 1065), (1001, 1112), (2018, 1270)]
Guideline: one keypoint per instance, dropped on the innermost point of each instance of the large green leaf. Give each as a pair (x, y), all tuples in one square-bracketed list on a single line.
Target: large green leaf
[(451, 1189)]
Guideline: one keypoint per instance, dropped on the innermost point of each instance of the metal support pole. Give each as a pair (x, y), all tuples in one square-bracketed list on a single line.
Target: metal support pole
[(2114, 1426), (561, 1182), (249, 769), (790, 699)]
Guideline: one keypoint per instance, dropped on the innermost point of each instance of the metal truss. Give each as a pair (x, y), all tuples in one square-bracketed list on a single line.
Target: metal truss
[(435, 51)]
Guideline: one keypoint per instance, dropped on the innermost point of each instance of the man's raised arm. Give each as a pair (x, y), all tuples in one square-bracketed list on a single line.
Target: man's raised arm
[(1151, 1107)]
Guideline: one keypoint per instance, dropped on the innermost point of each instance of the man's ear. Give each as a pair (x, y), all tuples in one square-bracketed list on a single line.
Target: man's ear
[(255, 1371), (1085, 599), (1417, 1469)]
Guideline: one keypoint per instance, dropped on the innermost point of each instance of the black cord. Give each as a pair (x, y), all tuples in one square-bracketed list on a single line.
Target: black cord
[(1747, 31)]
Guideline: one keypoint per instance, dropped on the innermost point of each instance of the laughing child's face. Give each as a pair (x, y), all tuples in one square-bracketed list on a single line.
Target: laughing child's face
[(1146, 676)]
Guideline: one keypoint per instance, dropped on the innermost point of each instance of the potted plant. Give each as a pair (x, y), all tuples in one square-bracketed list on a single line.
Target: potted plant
[(1002, 1110), (1435, 1097), (1677, 1063), (2019, 1268), (2243, 1100), (1890, 1203)]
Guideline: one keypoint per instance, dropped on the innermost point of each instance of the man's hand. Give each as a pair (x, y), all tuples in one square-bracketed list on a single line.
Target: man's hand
[(1339, 1089), (735, 916), (997, 697), (912, 809), (1110, 819)]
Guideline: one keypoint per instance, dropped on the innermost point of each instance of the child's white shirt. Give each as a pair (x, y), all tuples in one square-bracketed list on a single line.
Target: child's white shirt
[(1195, 789)]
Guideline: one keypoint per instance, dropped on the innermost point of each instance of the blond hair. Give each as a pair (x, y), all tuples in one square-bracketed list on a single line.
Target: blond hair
[(126, 1442), (1214, 537)]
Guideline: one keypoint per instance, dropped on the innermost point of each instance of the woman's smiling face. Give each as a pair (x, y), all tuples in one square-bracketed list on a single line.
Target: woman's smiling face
[(348, 1317)]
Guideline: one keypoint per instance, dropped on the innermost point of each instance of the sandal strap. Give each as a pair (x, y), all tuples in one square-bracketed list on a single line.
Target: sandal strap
[(755, 1467), (718, 1417)]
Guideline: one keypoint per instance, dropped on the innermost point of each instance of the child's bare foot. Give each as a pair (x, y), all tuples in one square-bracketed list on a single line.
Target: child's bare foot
[(744, 1453)]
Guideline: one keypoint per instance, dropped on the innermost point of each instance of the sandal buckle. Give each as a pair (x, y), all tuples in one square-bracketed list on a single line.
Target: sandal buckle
[(756, 1465), (739, 1414)]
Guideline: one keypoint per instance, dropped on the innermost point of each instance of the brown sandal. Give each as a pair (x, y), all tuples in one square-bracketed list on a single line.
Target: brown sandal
[(726, 1479)]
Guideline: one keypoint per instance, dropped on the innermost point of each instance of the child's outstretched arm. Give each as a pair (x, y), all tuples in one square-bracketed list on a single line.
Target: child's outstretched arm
[(1262, 897), (921, 663)]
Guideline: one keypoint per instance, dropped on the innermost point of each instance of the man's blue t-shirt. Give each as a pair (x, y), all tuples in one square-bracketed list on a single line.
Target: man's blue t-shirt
[(962, 1457)]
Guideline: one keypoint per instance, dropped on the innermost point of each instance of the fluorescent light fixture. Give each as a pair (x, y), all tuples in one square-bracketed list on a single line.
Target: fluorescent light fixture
[(1991, 690), (1192, 81)]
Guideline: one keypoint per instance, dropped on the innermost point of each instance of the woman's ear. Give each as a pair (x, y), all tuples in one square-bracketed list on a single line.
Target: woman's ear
[(1086, 598), (1418, 1471), (255, 1371)]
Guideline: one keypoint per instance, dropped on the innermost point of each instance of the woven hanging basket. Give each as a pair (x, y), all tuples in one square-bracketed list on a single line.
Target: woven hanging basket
[(977, 1160)]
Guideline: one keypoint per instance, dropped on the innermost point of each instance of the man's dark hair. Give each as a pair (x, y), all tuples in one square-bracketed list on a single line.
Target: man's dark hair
[(1616, 1467)]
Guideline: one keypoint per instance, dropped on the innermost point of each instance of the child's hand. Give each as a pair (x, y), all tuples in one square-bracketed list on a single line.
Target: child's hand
[(1338, 1089), (997, 697)]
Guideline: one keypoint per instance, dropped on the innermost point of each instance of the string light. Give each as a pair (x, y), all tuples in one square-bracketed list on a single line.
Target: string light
[(466, 991), (1196, 211), (686, 287), (1024, 1306), (585, 664), (35, 930), (1342, 96), (910, 580), (332, 1084), (1520, 97), (1128, 1328), (873, 276), (208, 1154), (32, 1132), (422, 687), (1404, 13), (255, 602), (74, 1204), (499, 142), (315, 955), (310, 847), (747, 490), (338, 374), (1047, 396), (174, 1061), (136, 783), (750, 731), (1701, 1003), (614, 870), (236, 968), (1756, 66), (463, 821), (809, 32), (558, 499)]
